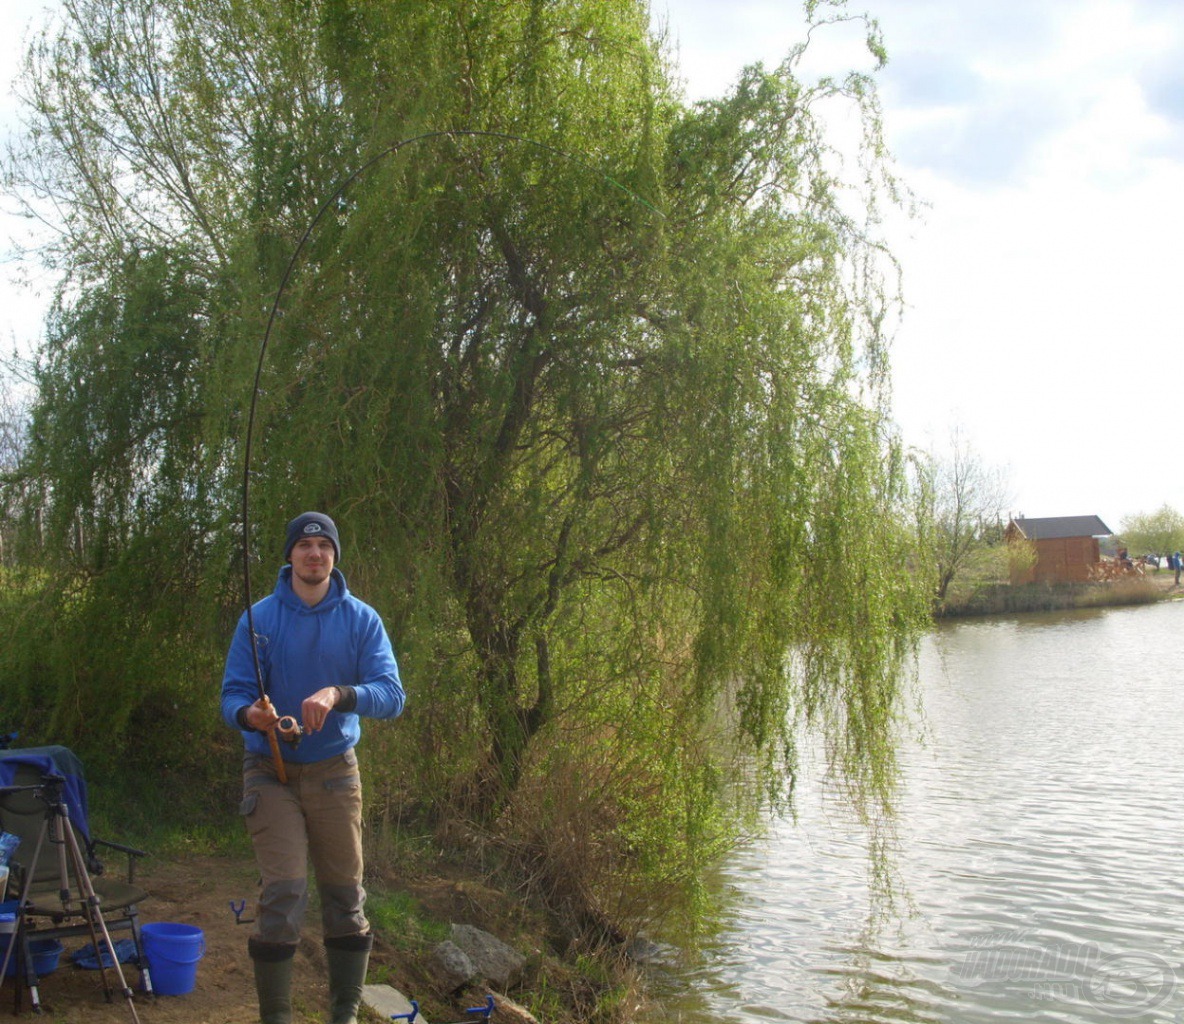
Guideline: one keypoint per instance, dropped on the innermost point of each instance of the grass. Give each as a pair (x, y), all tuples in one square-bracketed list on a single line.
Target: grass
[(402, 922), (149, 814), (1004, 599)]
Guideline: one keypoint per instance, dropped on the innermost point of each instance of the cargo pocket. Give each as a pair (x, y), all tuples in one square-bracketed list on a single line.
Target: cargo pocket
[(343, 783), (248, 809)]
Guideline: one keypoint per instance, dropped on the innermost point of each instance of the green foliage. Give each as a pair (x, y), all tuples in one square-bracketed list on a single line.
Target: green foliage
[(591, 379), (397, 917), (1153, 533)]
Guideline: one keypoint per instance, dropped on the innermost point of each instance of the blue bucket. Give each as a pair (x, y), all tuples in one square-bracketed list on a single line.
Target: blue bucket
[(172, 951), (45, 953)]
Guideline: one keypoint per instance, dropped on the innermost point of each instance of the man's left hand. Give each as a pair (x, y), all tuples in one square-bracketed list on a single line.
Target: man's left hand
[(316, 708)]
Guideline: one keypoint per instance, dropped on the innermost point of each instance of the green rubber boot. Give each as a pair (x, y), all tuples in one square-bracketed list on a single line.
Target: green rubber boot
[(273, 980), (349, 956)]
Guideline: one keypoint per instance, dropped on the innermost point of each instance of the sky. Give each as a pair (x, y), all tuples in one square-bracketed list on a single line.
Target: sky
[(1042, 280), (1046, 141)]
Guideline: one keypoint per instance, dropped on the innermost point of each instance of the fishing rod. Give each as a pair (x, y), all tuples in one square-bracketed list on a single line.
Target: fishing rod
[(287, 726)]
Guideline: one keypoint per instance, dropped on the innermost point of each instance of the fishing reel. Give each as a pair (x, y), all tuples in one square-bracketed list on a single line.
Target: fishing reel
[(288, 730)]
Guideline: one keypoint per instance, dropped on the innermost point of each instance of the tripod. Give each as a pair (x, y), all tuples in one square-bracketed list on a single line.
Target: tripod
[(56, 828)]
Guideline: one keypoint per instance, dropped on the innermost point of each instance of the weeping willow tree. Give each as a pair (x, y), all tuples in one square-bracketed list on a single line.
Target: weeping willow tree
[(592, 380)]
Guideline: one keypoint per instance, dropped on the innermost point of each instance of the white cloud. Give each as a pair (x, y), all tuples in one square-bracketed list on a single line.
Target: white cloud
[(1048, 139)]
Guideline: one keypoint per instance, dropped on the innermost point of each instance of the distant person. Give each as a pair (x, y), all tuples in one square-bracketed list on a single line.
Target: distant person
[(1177, 565)]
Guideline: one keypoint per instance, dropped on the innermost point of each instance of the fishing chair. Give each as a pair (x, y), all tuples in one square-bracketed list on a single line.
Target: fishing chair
[(57, 875)]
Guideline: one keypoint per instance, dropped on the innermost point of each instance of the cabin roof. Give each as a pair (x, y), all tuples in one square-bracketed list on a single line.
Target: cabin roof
[(1059, 527)]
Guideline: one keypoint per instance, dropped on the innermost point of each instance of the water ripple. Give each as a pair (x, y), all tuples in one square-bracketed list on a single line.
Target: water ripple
[(1038, 841)]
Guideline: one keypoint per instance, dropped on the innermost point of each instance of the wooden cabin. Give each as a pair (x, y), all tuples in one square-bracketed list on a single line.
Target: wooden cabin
[(1067, 548)]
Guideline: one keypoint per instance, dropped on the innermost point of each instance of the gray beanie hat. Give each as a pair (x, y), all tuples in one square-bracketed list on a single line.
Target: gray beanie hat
[(312, 524)]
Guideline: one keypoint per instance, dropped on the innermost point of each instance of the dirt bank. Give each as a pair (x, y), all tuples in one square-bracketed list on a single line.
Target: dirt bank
[(195, 891)]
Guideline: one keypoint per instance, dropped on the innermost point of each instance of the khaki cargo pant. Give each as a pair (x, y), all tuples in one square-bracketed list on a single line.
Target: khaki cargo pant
[(317, 816)]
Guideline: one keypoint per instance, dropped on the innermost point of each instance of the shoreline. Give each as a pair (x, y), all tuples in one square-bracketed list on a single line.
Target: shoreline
[(1005, 599)]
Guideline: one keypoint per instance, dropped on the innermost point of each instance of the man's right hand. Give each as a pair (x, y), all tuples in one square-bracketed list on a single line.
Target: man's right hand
[(261, 715)]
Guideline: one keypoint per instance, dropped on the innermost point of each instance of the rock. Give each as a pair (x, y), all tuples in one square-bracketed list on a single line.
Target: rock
[(451, 967), (388, 1002), (644, 951), (494, 961)]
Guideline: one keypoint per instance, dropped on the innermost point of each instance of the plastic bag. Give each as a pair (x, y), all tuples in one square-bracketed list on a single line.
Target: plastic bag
[(8, 845)]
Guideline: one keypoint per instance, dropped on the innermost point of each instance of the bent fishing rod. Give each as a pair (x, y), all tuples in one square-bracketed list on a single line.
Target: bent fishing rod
[(287, 727)]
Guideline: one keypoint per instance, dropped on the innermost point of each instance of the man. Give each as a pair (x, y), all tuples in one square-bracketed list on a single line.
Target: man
[(326, 661)]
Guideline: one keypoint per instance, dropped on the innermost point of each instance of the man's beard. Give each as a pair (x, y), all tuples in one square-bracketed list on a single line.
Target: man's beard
[(306, 576)]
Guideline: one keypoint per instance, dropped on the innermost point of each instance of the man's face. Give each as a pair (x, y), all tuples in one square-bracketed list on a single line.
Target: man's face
[(312, 560)]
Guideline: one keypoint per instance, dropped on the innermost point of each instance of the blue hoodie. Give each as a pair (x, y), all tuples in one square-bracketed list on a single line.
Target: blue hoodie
[(338, 642)]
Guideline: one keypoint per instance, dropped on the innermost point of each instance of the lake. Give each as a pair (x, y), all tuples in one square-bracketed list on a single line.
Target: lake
[(1038, 845)]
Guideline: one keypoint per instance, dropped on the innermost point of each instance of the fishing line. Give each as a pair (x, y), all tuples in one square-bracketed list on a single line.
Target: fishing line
[(331, 203)]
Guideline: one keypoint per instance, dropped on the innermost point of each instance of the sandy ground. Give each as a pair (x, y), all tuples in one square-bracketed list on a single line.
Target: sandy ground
[(198, 892)]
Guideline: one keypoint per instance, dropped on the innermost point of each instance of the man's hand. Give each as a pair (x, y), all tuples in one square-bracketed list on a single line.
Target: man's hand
[(316, 708), (261, 715)]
